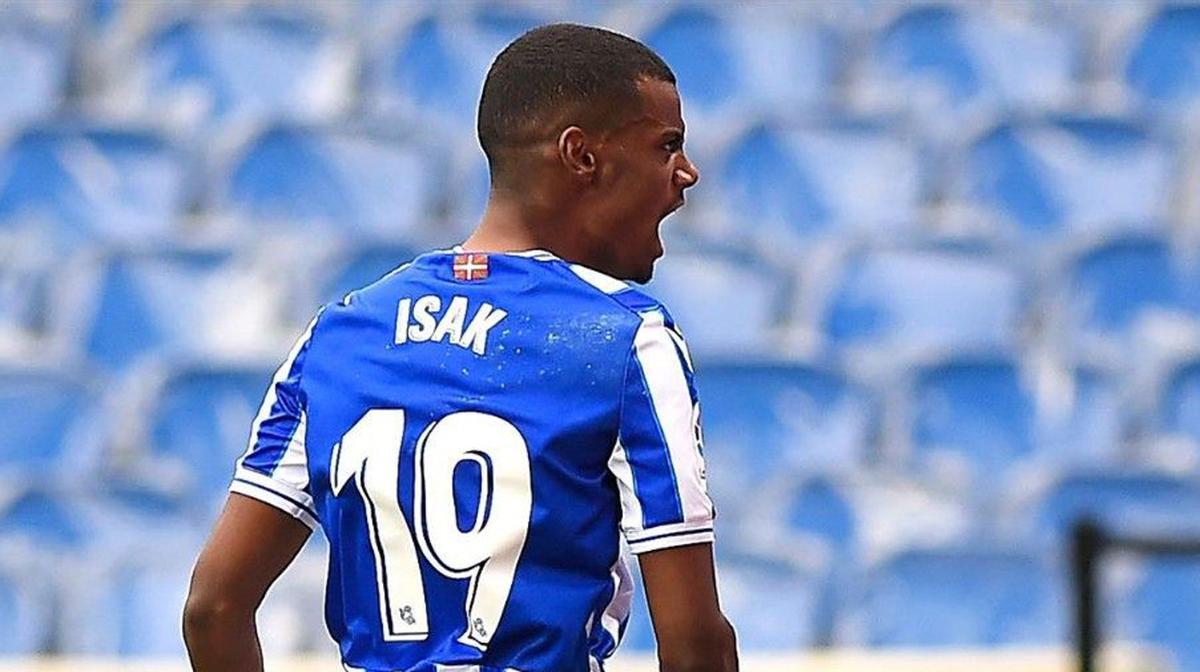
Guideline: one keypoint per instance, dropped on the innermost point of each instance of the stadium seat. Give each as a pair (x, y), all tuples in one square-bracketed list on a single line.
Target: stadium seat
[(141, 599), (200, 420), (948, 58), (961, 597), (763, 421), (692, 40), (245, 67), (1159, 609), (28, 261), (1083, 425), (44, 519), (52, 429), (437, 66), (843, 177), (353, 182), (1071, 175), (1116, 284), (1120, 501), (1179, 407), (922, 302), (362, 266), (761, 60), (94, 184), (1162, 67), (25, 293), (424, 70), (26, 601), (973, 421), (168, 303), (34, 78), (724, 303), (774, 606), (822, 509)]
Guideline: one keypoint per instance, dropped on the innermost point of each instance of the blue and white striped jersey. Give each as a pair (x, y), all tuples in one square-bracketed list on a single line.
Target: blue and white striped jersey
[(474, 433)]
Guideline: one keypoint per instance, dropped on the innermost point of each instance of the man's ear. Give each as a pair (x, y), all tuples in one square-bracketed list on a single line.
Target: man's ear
[(576, 154)]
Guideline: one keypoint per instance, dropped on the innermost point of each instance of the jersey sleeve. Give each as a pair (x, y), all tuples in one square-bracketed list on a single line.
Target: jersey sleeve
[(657, 462), (274, 468)]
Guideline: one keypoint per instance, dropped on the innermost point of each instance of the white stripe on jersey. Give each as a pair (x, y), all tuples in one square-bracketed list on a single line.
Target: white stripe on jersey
[(293, 466), (631, 507), (618, 608), (270, 491), (271, 397), (653, 543), (602, 282), (672, 402), (683, 348)]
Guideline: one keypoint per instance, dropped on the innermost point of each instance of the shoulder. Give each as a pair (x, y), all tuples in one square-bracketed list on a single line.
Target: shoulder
[(623, 296), (651, 321)]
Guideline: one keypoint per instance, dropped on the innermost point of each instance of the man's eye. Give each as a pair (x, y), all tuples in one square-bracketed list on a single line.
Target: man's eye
[(673, 145)]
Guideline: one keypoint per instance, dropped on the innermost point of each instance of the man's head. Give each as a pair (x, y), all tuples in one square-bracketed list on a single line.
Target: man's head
[(585, 124)]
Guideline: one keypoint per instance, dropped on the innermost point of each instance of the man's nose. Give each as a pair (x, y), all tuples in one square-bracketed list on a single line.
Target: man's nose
[(687, 175)]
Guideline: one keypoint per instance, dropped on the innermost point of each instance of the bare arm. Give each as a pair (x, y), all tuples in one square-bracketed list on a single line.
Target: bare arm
[(681, 589), (249, 548)]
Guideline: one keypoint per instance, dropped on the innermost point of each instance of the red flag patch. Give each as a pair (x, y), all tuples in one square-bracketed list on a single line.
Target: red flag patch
[(470, 266)]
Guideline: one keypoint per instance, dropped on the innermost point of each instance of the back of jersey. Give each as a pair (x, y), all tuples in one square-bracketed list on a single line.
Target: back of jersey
[(456, 429)]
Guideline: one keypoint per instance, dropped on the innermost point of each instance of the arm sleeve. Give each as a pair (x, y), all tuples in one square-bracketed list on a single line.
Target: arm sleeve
[(274, 468), (657, 462)]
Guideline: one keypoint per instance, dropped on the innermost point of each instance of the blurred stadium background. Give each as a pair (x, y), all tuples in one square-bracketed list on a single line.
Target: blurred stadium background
[(941, 279)]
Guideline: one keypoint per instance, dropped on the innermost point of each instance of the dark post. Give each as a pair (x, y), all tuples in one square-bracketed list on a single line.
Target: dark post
[(1087, 545)]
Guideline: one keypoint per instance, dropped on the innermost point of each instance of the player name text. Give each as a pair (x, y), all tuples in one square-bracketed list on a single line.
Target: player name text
[(422, 320)]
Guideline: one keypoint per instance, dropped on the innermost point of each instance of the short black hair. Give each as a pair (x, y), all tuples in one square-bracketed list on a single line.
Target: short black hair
[(560, 72)]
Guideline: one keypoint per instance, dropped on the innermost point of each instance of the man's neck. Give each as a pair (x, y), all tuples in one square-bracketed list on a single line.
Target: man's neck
[(508, 226)]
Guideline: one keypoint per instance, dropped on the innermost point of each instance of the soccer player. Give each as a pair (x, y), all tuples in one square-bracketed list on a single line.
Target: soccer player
[(476, 430)]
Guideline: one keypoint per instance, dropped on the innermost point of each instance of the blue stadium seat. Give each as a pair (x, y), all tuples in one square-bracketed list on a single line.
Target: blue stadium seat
[(692, 40), (140, 599), (1162, 67), (34, 78), (774, 606), (1114, 285), (437, 67), (47, 520), (1126, 501), (841, 177), (763, 421), (94, 184), (924, 301), (950, 58), (252, 66), (354, 182), (822, 509), (777, 607), (27, 290), (199, 424), (1083, 426), (968, 597), (1179, 407), (424, 71), (154, 304), (728, 60), (1160, 609), (363, 266), (52, 429), (1061, 175), (722, 302), (26, 602), (972, 422)]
